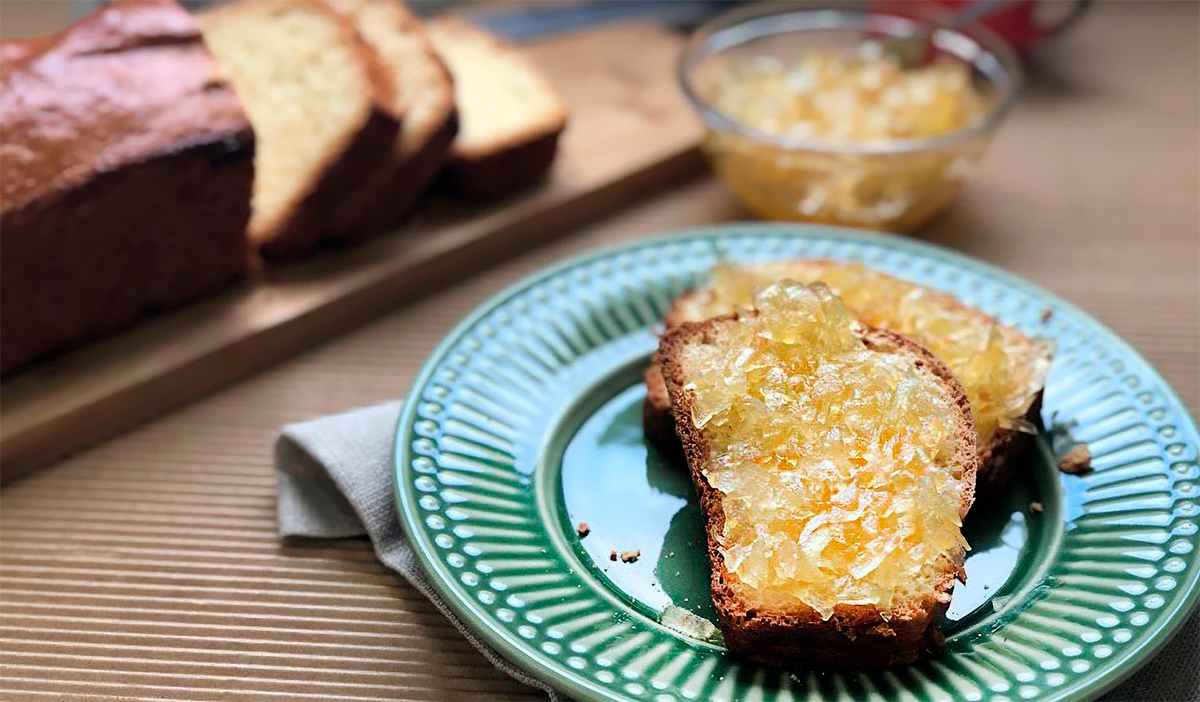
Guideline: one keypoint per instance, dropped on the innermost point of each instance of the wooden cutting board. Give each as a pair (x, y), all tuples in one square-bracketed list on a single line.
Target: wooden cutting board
[(630, 132)]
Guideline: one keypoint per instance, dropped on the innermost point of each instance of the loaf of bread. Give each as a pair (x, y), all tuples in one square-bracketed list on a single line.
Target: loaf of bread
[(321, 108), (125, 170), (423, 91), (834, 464), (1002, 369), (510, 116)]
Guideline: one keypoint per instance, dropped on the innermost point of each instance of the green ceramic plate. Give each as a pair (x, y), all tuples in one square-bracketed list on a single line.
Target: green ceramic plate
[(526, 421)]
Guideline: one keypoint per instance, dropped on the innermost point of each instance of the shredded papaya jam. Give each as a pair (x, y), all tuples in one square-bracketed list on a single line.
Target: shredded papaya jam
[(861, 96), (835, 461), (1000, 369), (847, 99)]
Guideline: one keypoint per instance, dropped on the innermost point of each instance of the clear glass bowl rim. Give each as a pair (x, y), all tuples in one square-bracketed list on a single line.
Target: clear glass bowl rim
[(1003, 70)]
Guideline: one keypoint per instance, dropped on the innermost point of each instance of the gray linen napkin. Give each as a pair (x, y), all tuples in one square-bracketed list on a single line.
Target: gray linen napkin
[(335, 481)]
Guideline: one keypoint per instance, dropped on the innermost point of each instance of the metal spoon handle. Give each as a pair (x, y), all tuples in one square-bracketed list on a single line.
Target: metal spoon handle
[(972, 12)]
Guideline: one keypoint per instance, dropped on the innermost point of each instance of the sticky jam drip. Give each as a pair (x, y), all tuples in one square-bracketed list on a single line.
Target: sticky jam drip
[(835, 460)]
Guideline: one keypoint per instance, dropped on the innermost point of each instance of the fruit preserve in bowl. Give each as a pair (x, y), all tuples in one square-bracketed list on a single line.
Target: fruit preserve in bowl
[(809, 117)]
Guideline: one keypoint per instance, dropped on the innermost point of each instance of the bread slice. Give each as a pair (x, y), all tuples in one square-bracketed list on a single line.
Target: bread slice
[(510, 116), (983, 353), (832, 521), (318, 102), (423, 90)]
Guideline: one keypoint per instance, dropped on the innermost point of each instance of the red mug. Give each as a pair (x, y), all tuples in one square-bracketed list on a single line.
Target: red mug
[(1018, 21)]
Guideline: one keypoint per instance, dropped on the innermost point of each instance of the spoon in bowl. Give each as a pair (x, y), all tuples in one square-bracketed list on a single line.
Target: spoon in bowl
[(912, 50)]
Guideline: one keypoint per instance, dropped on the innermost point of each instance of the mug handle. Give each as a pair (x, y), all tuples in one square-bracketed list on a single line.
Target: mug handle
[(1077, 12)]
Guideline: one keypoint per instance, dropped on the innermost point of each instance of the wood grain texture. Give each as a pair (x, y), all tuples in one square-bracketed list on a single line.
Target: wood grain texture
[(630, 133), (148, 567)]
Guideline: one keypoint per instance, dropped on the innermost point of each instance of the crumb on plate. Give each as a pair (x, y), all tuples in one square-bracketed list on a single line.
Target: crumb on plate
[(583, 529), (631, 556), (1036, 507), (612, 556), (1076, 461)]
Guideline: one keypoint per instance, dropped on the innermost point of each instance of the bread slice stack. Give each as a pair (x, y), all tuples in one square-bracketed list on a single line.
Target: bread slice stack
[(358, 107), (834, 464), (1001, 369), (510, 117), (319, 105), (422, 89)]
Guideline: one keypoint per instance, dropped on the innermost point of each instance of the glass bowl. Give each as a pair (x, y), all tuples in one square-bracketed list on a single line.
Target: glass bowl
[(895, 184)]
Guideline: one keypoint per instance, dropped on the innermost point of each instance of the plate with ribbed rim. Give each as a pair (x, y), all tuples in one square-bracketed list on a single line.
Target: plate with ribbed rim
[(526, 421)]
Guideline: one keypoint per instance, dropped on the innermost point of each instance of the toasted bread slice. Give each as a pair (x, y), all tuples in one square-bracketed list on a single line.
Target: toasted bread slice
[(834, 464), (1002, 369), (510, 116), (319, 104), (423, 91)]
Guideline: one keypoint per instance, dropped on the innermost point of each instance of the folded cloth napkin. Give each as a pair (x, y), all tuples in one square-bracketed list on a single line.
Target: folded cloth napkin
[(335, 481)]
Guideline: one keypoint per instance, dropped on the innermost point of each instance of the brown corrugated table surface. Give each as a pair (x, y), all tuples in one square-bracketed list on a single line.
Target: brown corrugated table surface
[(148, 567)]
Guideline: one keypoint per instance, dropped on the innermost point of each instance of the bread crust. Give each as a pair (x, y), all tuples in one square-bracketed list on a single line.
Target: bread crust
[(417, 173), (1006, 451), (508, 169), (135, 197), (505, 166), (855, 636), (393, 197), (1000, 458), (418, 152), (658, 422)]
